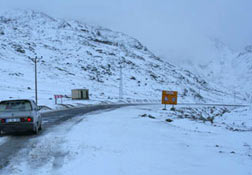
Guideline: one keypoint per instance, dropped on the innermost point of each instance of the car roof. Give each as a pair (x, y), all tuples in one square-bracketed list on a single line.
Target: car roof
[(30, 100)]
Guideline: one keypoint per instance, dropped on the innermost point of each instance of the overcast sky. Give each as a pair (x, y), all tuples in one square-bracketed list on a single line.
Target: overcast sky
[(171, 28)]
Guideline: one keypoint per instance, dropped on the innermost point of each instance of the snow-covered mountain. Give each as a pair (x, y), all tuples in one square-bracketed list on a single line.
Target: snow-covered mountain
[(77, 55), (229, 69), (243, 70)]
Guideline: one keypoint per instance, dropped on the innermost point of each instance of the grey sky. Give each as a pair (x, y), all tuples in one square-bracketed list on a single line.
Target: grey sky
[(171, 28)]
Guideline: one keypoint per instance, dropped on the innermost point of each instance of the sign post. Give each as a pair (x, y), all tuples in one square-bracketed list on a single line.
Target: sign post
[(170, 98), (56, 98)]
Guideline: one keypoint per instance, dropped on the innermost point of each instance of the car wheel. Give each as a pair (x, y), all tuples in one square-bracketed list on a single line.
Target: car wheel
[(35, 129), (40, 126)]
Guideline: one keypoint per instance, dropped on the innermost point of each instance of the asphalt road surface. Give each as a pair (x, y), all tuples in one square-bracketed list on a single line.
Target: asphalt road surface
[(17, 141)]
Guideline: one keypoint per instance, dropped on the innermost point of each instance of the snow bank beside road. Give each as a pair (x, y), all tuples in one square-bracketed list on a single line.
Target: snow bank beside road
[(124, 142), (120, 142), (2, 140)]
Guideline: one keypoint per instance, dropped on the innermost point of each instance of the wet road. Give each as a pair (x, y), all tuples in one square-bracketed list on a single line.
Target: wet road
[(17, 141)]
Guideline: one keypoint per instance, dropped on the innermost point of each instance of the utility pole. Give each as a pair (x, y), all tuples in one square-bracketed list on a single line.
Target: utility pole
[(35, 61), (121, 84), (122, 59), (199, 94), (234, 97)]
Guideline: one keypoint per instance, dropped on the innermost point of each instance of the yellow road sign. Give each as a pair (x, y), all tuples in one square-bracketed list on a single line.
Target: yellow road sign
[(169, 97)]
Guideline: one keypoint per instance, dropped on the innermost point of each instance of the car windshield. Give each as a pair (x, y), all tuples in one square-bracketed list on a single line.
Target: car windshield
[(15, 106)]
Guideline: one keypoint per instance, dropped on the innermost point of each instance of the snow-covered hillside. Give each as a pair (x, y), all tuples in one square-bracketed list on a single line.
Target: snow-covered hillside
[(77, 55), (229, 69), (243, 70)]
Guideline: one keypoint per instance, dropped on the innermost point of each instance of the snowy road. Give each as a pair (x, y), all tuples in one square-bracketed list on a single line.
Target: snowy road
[(12, 143), (137, 140)]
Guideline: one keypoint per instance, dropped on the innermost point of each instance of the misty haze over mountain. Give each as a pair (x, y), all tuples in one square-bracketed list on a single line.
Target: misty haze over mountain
[(176, 30)]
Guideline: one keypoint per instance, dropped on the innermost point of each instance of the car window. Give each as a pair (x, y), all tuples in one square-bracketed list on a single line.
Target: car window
[(34, 105), (15, 106)]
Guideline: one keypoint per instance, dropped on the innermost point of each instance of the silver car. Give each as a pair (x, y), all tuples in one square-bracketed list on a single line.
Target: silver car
[(19, 115)]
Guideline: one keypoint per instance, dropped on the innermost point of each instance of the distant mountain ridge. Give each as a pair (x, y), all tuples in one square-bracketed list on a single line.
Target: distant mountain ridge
[(77, 55), (228, 69)]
